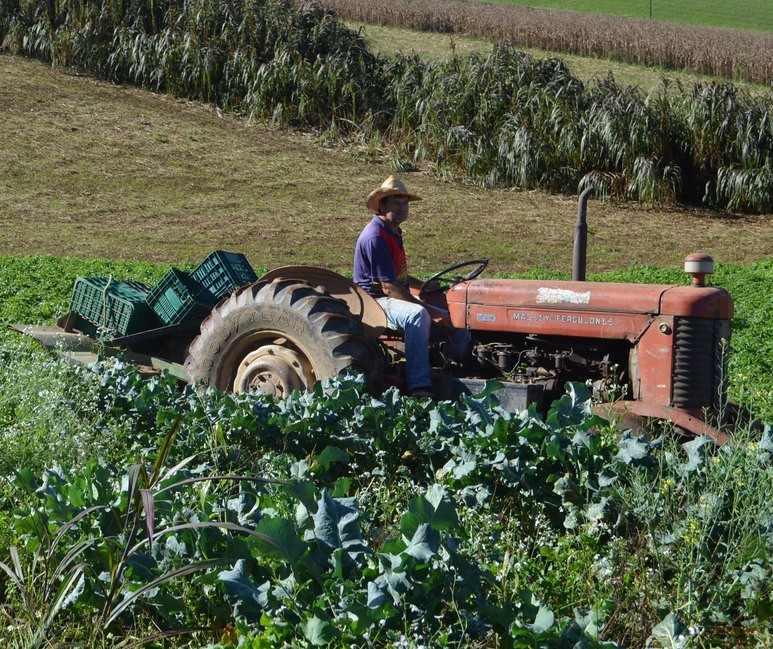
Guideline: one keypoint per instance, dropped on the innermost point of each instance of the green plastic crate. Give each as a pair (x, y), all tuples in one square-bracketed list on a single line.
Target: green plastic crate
[(221, 273), (175, 298), (114, 307)]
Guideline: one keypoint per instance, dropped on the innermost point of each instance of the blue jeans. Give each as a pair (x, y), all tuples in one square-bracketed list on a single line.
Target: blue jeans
[(414, 322)]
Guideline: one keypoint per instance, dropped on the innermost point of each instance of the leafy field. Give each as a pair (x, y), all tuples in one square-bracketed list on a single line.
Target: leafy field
[(139, 513), (750, 14), (170, 518)]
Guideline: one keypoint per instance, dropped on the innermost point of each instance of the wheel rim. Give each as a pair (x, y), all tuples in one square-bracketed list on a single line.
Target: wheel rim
[(273, 370)]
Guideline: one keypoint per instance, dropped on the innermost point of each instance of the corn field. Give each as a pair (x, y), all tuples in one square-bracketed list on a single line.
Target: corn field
[(504, 119), (729, 53)]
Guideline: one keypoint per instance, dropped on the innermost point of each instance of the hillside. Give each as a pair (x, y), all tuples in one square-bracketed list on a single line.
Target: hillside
[(98, 170)]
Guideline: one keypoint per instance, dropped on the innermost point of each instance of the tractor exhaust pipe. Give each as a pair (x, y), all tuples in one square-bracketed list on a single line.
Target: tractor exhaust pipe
[(581, 237)]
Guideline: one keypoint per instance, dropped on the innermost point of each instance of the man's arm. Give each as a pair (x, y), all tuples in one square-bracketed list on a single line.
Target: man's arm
[(397, 291)]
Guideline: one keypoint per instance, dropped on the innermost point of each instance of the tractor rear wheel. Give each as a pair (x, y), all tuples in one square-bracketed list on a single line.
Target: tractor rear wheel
[(277, 337)]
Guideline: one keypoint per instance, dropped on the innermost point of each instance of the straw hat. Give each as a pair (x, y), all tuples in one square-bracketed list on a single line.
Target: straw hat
[(390, 187)]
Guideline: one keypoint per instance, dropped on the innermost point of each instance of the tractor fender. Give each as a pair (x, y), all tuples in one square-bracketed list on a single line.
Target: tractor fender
[(689, 421), (361, 304)]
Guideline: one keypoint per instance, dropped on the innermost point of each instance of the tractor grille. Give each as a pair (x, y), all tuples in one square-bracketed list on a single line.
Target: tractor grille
[(700, 362)]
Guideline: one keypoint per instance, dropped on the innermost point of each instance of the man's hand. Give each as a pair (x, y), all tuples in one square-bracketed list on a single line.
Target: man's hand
[(397, 291), (430, 287), (394, 290)]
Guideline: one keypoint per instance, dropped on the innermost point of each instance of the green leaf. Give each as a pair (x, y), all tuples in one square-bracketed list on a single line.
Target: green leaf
[(435, 508), (631, 449), (71, 589), (695, 449), (607, 478), (573, 408), (247, 600), (342, 487), (445, 513), (589, 622), (666, 633), (753, 578), (392, 577), (376, 596), (318, 632), (566, 486), (75, 496), (331, 455), (149, 506), (336, 523), (424, 544), (282, 541), (463, 469), (543, 621), (571, 520), (501, 617), (597, 511), (304, 491), (150, 587)]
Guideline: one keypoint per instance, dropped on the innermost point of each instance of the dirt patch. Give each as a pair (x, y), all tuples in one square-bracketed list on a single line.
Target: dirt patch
[(94, 170)]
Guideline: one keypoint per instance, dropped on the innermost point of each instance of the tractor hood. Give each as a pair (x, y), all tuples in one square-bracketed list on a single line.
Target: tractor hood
[(598, 297)]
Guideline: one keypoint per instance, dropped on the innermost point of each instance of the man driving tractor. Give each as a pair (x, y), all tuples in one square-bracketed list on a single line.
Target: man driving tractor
[(381, 268)]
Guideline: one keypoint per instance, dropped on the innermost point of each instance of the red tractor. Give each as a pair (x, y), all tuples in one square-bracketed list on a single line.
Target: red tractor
[(648, 351)]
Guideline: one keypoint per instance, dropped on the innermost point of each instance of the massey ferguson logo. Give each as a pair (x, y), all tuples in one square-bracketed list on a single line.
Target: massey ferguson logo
[(560, 295)]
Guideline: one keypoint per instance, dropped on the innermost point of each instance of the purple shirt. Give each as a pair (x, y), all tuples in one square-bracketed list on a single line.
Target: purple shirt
[(379, 257)]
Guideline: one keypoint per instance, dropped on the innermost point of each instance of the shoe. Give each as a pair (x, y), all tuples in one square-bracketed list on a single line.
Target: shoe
[(421, 393)]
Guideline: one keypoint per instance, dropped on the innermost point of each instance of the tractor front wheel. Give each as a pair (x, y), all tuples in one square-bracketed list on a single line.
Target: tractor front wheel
[(277, 337)]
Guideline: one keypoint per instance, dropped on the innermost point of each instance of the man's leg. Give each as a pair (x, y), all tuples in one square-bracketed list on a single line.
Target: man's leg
[(414, 321), (458, 340)]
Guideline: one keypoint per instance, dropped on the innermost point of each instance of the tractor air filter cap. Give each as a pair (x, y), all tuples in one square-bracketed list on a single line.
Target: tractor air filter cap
[(698, 265)]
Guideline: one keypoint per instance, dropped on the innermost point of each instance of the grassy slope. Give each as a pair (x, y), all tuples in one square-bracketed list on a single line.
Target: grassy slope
[(388, 40), (754, 14), (95, 170)]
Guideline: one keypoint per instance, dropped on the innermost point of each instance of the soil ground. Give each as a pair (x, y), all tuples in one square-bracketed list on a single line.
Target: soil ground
[(89, 169)]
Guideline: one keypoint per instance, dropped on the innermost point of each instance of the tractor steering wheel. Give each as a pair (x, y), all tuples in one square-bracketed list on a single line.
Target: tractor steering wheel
[(440, 282)]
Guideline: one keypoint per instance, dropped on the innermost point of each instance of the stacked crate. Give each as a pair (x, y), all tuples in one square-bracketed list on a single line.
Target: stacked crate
[(114, 308), (175, 298), (181, 296), (222, 272)]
